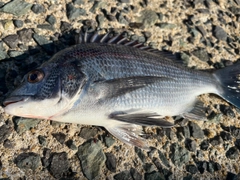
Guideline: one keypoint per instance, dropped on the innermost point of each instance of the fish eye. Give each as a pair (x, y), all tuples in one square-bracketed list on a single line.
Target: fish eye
[(35, 76)]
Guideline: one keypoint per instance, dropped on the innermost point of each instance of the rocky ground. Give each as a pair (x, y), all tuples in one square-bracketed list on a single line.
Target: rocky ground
[(205, 32)]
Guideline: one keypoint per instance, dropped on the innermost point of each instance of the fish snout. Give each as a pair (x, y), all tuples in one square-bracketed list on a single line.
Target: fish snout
[(11, 100)]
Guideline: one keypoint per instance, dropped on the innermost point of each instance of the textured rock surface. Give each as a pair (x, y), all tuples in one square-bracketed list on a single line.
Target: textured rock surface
[(206, 33)]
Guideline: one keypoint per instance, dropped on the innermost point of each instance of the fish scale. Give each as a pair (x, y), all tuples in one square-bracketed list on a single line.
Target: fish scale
[(108, 82)]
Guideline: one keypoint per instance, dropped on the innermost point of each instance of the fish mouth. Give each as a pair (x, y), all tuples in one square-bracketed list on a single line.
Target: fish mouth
[(12, 100)]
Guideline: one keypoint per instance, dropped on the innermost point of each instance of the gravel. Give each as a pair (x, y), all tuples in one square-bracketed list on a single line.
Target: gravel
[(206, 33)]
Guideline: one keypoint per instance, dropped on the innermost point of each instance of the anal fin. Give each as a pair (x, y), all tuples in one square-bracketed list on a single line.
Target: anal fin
[(129, 134), (197, 112)]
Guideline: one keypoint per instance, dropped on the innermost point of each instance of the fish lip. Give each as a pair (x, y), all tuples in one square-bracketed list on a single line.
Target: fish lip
[(12, 100)]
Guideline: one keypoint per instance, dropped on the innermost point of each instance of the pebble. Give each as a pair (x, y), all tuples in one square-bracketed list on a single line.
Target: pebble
[(141, 154), (70, 143), (60, 137), (191, 168), (121, 19), (135, 174), (225, 136), (111, 162), (16, 7), (179, 155), (8, 144), (59, 164), (44, 43), (219, 33), (18, 23), (163, 158), (45, 26), (204, 145), (109, 140), (124, 175), (191, 145), (232, 153), (25, 35), (169, 26), (87, 133), (65, 26), (97, 5), (202, 166), (18, 55), (227, 111), (217, 140), (201, 54), (28, 160), (42, 140), (92, 158), (74, 13), (100, 19), (196, 131), (184, 131), (51, 19), (23, 124), (148, 18), (5, 131), (38, 8), (232, 176), (11, 40), (154, 176), (79, 2)]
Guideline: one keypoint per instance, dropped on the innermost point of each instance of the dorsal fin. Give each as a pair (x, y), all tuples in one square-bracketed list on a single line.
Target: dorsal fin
[(121, 39)]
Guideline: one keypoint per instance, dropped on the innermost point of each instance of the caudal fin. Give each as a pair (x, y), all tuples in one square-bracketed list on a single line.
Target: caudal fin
[(229, 79)]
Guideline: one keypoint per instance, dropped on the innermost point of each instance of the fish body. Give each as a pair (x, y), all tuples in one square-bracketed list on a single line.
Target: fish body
[(117, 86)]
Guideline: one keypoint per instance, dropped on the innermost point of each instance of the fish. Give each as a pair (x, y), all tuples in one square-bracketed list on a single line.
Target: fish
[(121, 85)]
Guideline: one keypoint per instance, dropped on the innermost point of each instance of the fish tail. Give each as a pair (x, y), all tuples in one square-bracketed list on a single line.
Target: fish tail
[(229, 83)]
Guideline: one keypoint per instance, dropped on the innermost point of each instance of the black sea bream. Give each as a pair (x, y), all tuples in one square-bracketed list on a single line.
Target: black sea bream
[(120, 85)]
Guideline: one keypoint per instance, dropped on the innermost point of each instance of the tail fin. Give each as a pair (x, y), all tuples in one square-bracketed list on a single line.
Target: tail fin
[(229, 79)]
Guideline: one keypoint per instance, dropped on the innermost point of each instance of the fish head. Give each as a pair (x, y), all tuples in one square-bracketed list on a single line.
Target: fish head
[(44, 92)]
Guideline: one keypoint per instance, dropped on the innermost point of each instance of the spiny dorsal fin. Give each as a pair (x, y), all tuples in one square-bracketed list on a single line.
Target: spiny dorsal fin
[(121, 39)]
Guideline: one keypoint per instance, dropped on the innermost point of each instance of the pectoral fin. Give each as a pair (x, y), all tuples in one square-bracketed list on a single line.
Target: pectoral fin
[(197, 112), (143, 119), (117, 87)]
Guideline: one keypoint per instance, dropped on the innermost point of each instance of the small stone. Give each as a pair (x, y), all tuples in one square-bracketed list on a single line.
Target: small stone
[(100, 20), (232, 153), (232, 176), (59, 164), (97, 5), (154, 176), (51, 19), (184, 130), (225, 136), (23, 124), (215, 117), (18, 23), (217, 140), (19, 55), (219, 33), (38, 8), (110, 17), (140, 154), (227, 110), (235, 10), (42, 140), (148, 167), (124, 1), (191, 145), (109, 141), (196, 131), (235, 132), (135, 174), (28, 161), (8, 144), (88, 133), (111, 162), (201, 30), (148, 18), (163, 159), (201, 54), (3, 55), (60, 137), (191, 168), (44, 43), (179, 155), (73, 12), (71, 144), (5, 131), (202, 166), (204, 145), (25, 35), (92, 158), (11, 40), (121, 18), (79, 2), (124, 175), (16, 7), (210, 167), (45, 26), (0, 165), (166, 25), (65, 26)]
